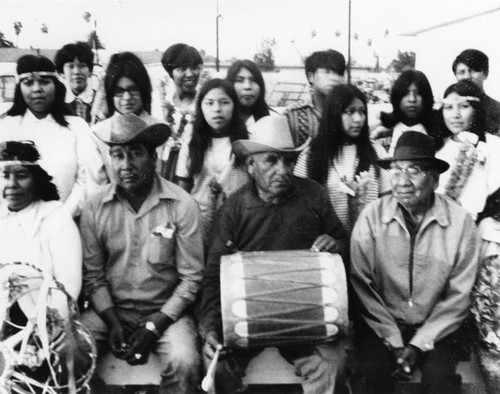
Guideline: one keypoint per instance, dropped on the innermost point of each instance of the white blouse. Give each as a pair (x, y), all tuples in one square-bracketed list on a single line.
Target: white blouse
[(484, 178), (68, 154)]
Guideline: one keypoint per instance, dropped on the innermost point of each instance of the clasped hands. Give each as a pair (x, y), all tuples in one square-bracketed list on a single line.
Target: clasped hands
[(133, 344), (406, 359)]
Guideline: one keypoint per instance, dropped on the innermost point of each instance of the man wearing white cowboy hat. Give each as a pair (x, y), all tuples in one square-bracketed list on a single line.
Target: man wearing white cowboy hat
[(275, 211), (413, 264), (143, 259)]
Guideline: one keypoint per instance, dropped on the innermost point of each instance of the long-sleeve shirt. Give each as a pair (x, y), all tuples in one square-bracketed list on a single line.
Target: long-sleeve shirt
[(423, 281), (254, 225), (45, 236), (68, 154), (146, 261)]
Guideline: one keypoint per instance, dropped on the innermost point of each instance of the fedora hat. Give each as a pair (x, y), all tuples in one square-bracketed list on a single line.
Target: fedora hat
[(268, 134), (413, 145), (125, 129)]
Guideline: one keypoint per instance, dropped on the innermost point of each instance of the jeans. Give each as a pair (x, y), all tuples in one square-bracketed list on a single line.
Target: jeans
[(177, 350)]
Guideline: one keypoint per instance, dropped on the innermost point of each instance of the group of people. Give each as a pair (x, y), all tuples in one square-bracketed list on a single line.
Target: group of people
[(132, 214)]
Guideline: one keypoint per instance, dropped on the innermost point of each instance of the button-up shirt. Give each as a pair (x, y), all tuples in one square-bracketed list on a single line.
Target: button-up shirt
[(250, 224), (80, 104), (145, 261), (422, 281)]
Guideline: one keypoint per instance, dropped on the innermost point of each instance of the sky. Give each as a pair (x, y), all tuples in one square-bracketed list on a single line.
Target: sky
[(298, 26)]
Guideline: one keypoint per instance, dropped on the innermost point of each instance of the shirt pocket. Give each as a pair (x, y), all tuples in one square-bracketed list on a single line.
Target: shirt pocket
[(161, 247)]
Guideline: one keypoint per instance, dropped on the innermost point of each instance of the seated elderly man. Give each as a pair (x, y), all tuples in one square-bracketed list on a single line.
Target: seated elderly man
[(275, 211), (143, 259), (413, 264)]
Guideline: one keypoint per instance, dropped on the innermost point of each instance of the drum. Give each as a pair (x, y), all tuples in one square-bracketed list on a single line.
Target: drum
[(282, 298)]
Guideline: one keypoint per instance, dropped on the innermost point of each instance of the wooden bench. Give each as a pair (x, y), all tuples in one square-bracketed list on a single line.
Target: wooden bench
[(122, 378)]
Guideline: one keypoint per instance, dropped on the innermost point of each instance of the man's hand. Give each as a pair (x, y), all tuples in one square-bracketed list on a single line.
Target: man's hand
[(325, 243), (211, 344), (141, 342), (117, 340), (406, 360)]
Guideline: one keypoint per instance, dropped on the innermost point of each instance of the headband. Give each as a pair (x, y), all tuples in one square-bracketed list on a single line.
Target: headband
[(35, 74), (460, 99), (19, 162)]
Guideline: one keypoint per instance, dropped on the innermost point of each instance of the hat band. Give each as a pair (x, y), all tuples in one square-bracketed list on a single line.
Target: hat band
[(35, 74), (405, 152)]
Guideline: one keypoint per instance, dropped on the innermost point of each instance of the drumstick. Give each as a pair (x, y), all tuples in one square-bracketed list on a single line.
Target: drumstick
[(208, 380)]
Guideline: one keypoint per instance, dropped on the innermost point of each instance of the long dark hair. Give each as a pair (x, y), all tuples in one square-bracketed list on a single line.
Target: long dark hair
[(32, 63), (127, 64), (400, 90), (331, 134), (202, 132), (260, 108), (466, 88)]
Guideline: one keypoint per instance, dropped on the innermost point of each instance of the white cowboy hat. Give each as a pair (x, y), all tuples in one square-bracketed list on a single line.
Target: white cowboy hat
[(125, 129), (268, 134)]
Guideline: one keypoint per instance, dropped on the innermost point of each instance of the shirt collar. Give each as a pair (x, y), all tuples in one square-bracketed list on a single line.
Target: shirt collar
[(31, 118), (87, 96), (438, 212), (161, 190), (255, 201)]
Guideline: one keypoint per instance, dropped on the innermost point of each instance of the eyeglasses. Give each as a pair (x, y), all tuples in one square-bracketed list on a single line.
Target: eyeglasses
[(133, 91), (414, 173)]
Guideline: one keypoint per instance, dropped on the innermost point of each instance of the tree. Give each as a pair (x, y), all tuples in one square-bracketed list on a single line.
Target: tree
[(18, 27), (94, 41), (4, 43), (264, 58), (403, 61)]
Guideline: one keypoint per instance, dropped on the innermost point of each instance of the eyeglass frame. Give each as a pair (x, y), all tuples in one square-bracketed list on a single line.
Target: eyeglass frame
[(133, 91), (421, 173)]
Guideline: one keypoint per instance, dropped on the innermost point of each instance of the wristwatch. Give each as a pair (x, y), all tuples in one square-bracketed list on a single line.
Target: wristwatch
[(150, 326)]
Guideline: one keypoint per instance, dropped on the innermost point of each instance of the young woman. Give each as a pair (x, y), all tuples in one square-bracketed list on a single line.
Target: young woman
[(412, 102), (342, 157), (178, 92), (248, 82), (207, 168), (39, 114), (471, 153), (128, 91)]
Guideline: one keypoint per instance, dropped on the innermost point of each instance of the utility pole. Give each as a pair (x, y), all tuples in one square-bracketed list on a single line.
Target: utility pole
[(349, 46), (217, 16)]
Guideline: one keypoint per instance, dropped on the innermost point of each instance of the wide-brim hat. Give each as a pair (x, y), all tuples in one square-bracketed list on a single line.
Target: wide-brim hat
[(414, 145), (268, 134), (126, 129)]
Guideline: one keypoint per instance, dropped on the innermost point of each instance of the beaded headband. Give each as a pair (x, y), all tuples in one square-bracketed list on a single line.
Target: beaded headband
[(460, 99), (18, 163), (35, 74)]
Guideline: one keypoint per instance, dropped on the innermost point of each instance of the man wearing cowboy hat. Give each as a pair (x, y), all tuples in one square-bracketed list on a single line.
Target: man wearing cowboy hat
[(143, 259), (413, 264), (275, 211)]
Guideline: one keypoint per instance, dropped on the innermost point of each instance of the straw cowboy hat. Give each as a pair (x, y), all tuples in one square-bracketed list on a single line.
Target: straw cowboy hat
[(413, 145), (268, 134), (126, 129)]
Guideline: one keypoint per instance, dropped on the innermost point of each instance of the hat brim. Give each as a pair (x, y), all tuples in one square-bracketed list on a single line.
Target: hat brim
[(154, 135), (440, 165), (247, 147)]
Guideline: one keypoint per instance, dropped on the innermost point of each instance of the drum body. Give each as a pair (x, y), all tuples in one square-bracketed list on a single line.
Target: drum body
[(282, 298)]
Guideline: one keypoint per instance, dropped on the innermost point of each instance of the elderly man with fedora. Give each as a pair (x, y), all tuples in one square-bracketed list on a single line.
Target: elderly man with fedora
[(274, 211), (143, 259), (413, 265)]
